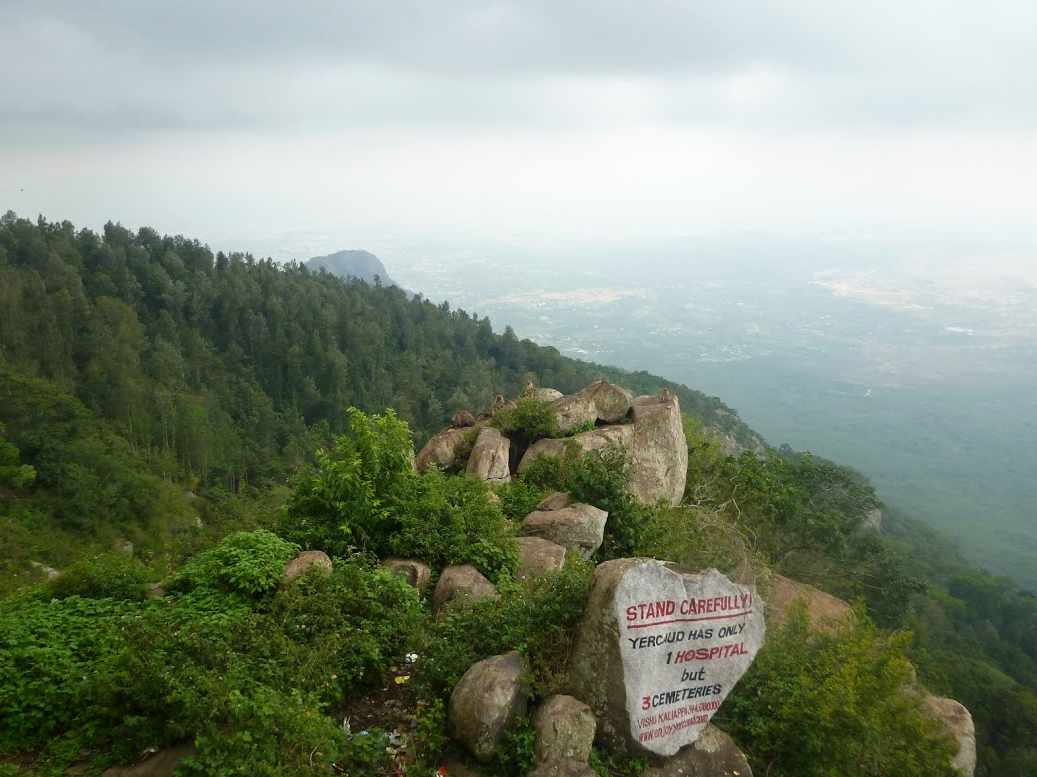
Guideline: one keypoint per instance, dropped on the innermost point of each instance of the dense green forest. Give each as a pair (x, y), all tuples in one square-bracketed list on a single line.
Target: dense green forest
[(156, 394)]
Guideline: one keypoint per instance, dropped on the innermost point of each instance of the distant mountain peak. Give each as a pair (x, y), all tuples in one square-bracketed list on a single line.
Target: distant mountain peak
[(354, 263)]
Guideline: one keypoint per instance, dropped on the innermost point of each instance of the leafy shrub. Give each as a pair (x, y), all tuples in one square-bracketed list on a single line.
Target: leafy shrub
[(344, 502), (249, 563), (519, 498), (530, 419), (818, 704), (111, 575), (446, 520)]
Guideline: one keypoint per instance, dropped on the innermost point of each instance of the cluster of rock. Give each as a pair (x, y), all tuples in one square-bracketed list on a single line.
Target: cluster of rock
[(648, 427)]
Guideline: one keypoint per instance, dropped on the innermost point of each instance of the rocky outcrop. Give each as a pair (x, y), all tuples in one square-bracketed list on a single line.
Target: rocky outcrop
[(489, 458), (658, 450), (555, 501), (462, 419), (538, 557), (441, 450), (565, 729), (547, 394), (579, 527), (585, 442), (826, 612), (158, 764), (416, 573), (600, 401), (461, 582), (713, 754), (490, 697), (872, 521), (305, 561), (958, 722)]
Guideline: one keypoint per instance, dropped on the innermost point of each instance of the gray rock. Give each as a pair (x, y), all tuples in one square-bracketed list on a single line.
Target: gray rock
[(826, 612), (461, 582), (600, 401), (713, 754), (416, 573), (308, 559), (489, 458), (585, 442), (958, 722), (538, 557), (441, 450), (547, 394), (658, 450), (463, 419), (579, 527), (649, 632), (491, 695), (555, 501), (872, 521), (565, 730), (565, 768), (158, 764)]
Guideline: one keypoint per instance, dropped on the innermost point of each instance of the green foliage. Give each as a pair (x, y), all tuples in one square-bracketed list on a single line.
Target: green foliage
[(515, 755), (609, 764), (519, 498), (111, 575), (12, 472), (249, 563), (699, 539), (344, 502), (834, 703), (529, 420)]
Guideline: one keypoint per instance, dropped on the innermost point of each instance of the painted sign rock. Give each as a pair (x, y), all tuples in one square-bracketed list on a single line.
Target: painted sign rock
[(659, 650)]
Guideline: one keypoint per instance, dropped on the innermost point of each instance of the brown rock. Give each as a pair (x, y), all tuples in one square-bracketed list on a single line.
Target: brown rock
[(547, 394), (441, 451), (580, 527), (555, 501), (958, 722), (462, 419), (489, 458), (600, 401), (308, 559), (826, 612), (538, 557), (491, 695), (160, 764), (565, 729), (585, 442), (417, 573), (713, 754), (461, 582), (658, 450)]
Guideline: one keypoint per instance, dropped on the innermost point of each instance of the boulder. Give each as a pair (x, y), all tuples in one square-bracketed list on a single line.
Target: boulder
[(463, 419), (600, 401), (159, 764), (642, 613), (958, 722), (461, 582), (48, 572), (489, 458), (826, 612), (566, 768), (658, 450), (565, 729), (584, 442), (538, 557), (441, 450), (579, 527), (547, 394), (308, 559), (555, 501), (713, 754), (490, 697), (872, 521), (417, 573)]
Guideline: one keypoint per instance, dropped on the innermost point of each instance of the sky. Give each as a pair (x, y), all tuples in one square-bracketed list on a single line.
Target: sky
[(549, 127)]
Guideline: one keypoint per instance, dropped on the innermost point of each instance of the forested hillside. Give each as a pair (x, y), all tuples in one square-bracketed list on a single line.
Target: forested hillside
[(156, 393)]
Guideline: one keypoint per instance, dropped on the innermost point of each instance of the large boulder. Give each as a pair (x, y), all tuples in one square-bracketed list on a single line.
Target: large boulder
[(538, 557), (585, 442), (305, 561), (579, 527), (713, 754), (658, 450), (555, 501), (658, 650), (547, 394), (490, 697), (416, 573), (958, 722), (461, 582), (489, 458), (442, 450), (565, 729), (826, 612), (600, 401), (159, 764)]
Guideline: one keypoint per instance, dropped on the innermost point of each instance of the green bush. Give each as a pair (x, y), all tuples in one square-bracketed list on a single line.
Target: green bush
[(111, 576), (529, 419), (698, 539), (519, 498), (820, 704), (249, 563)]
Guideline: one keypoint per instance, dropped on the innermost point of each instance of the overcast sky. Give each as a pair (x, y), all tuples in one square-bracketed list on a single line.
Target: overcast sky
[(311, 126)]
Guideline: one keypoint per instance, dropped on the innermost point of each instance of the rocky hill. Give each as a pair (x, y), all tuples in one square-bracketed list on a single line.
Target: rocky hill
[(353, 264)]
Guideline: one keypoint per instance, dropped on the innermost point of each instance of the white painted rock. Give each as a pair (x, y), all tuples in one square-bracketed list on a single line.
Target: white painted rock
[(579, 527), (658, 651), (489, 458)]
